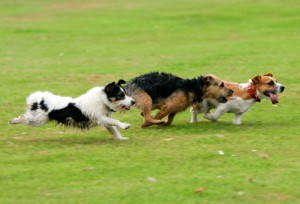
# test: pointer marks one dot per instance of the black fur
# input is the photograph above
(34, 106)
(115, 91)
(40, 105)
(70, 116)
(162, 85)
(43, 106)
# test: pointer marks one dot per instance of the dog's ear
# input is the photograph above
(222, 84)
(207, 80)
(110, 87)
(121, 81)
(256, 79)
(269, 74)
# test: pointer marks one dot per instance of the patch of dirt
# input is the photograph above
(99, 80)
(31, 18)
(277, 196)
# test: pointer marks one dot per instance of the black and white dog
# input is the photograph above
(93, 108)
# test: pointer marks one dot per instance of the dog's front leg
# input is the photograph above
(218, 112)
(237, 120)
(110, 124)
(113, 130)
(194, 114)
(195, 110)
(106, 121)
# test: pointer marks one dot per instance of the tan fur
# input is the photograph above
(216, 91)
(237, 91)
(241, 100)
(259, 83)
(177, 102)
(144, 102)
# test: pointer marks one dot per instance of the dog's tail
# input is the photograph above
(37, 110)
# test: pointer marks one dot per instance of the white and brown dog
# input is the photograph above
(90, 109)
(244, 96)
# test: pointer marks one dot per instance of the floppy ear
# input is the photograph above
(269, 74)
(222, 84)
(110, 87)
(121, 81)
(256, 79)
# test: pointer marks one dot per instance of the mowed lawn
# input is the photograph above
(69, 46)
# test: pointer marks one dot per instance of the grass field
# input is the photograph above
(67, 47)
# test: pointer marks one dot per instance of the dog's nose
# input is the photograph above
(282, 88)
(132, 102)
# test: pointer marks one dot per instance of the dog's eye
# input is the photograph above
(121, 95)
(271, 83)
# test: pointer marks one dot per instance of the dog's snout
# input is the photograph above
(132, 102)
(222, 99)
(282, 88)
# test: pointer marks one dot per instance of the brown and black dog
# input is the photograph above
(171, 94)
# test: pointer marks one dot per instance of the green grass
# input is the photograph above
(67, 47)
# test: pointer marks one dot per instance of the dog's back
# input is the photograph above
(46, 101)
(156, 85)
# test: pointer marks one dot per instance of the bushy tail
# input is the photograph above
(37, 110)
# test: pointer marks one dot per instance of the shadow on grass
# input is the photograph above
(70, 140)
(103, 138)
(219, 125)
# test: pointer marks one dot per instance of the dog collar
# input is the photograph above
(110, 109)
(253, 93)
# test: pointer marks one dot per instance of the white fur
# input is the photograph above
(94, 104)
(237, 105)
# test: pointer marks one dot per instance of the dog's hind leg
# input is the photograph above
(148, 120)
(144, 102)
(17, 120)
(37, 119)
(170, 119)
(113, 130)
(164, 112)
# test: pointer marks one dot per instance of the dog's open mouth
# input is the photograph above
(222, 99)
(125, 107)
(273, 97)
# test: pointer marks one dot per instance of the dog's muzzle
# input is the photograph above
(222, 99)
(125, 107)
(281, 89)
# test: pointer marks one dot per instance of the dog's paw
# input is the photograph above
(14, 121)
(193, 121)
(144, 125)
(209, 117)
(237, 122)
(124, 126)
(122, 138)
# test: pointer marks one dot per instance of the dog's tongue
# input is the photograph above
(273, 98)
